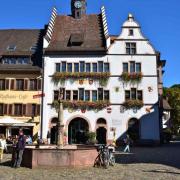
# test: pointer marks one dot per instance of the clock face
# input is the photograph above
(78, 4)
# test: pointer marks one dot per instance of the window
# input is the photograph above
(130, 48)
(56, 95)
(100, 94)
(94, 67)
(125, 67)
(127, 95)
(133, 93)
(88, 67)
(81, 94)
(18, 109)
(2, 84)
(138, 67)
(63, 66)
(11, 47)
(100, 66)
(33, 110)
(58, 67)
(1, 110)
(87, 95)
(22, 61)
(20, 84)
(94, 95)
(68, 95)
(131, 32)
(76, 67)
(132, 67)
(75, 95)
(106, 95)
(69, 67)
(82, 66)
(139, 95)
(33, 48)
(106, 67)
(33, 84)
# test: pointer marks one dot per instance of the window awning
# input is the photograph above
(8, 121)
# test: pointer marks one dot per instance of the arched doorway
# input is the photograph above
(101, 131)
(133, 129)
(54, 131)
(77, 130)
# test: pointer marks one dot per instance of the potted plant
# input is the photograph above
(91, 138)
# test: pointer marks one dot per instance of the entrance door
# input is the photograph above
(101, 135)
(133, 129)
(77, 131)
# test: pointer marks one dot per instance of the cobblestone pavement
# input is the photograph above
(143, 163)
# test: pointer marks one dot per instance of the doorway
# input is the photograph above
(133, 129)
(101, 135)
(77, 131)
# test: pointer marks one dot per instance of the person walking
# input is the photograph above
(20, 146)
(127, 142)
(3, 146)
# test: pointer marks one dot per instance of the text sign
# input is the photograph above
(38, 96)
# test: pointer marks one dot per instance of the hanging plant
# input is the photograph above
(83, 105)
(131, 104)
(132, 77)
(61, 77)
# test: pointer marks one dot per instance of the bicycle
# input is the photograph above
(105, 156)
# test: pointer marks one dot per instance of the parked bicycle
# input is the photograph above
(105, 156)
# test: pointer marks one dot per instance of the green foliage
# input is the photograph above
(61, 77)
(83, 105)
(130, 104)
(173, 95)
(131, 77)
(91, 137)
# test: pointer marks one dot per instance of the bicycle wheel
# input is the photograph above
(112, 160)
(105, 160)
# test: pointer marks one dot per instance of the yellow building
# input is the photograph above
(20, 82)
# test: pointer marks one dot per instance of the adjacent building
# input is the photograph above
(109, 83)
(20, 81)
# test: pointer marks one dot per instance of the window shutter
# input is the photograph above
(39, 84)
(24, 109)
(38, 109)
(25, 84)
(10, 109)
(12, 84)
(7, 84)
(5, 109)
(29, 110)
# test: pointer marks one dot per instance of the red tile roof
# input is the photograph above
(89, 26)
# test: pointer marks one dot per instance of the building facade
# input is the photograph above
(110, 83)
(20, 81)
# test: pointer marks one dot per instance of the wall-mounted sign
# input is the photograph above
(150, 89)
(13, 97)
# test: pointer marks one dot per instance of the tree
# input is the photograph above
(173, 95)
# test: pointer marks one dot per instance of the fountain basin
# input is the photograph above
(69, 156)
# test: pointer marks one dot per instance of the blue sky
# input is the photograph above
(159, 19)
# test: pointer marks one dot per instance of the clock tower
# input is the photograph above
(78, 8)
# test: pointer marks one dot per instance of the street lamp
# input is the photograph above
(60, 124)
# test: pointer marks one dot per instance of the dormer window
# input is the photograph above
(131, 32)
(11, 48)
(33, 48)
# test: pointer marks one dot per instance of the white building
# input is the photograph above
(79, 46)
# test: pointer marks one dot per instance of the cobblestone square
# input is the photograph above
(143, 163)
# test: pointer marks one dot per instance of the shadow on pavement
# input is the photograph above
(163, 171)
(166, 155)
